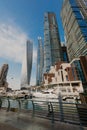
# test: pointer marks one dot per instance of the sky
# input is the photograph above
(21, 20)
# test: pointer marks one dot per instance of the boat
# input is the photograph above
(47, 94)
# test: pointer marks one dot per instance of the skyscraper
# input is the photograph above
(40, 60)
(3, 76)
(27, 65)
(75, 27)
(52, 46)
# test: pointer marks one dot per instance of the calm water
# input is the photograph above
(25, 104)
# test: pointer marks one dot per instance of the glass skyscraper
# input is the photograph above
(40, 60)
(75, 27)
(52, 46)
(27, 65)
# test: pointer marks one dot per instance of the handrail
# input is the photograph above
(74, 113)
(33, 109)
(19, 103)
(8, 108)
(52, 112)
(0, 103)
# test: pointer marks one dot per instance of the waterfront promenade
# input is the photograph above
(23, 121)
(32, 114)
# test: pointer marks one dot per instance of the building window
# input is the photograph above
(85, 2)
(66, 78)
(69, 90)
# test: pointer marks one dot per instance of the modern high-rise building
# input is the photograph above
(27, 64)
(75, 27)
(40, 62)
(3, 76)
(52, 45)
(80, 66)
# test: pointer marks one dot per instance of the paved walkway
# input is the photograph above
(22, 121)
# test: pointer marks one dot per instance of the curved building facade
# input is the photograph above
(27, 64)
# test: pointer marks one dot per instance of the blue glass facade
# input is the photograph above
(47, 47)
(75, 27)
(52, 46)
(40, 65)
(79, 71)
(79, 17)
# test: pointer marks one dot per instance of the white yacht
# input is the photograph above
(47, 94)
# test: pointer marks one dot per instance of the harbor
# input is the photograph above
(43, 65)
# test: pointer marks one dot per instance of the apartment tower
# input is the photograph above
(52, 45)
(40, 60)
(75, 26)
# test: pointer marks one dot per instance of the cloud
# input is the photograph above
(34, 56)
(12, 46)
(14, 83)
(12, 42)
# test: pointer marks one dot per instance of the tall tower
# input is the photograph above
(40, 60)
(52, 46)
(27, 64)
(75, 27)
(3, 76)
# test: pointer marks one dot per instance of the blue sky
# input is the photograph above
(21, 20)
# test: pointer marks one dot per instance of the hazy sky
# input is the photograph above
(21, 20)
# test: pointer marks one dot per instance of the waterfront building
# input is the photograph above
(27, 64)
(61, 78)
(75, 27)
(64, 53)
(80, 66)
(52, 46)
(40, 63)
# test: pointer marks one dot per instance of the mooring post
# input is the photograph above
(33, 108)
(0, 103)
(8, 109)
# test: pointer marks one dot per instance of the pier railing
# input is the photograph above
(73, 113)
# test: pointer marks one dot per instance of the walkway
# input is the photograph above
(22, 121)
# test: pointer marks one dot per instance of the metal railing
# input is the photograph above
(72, 113)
